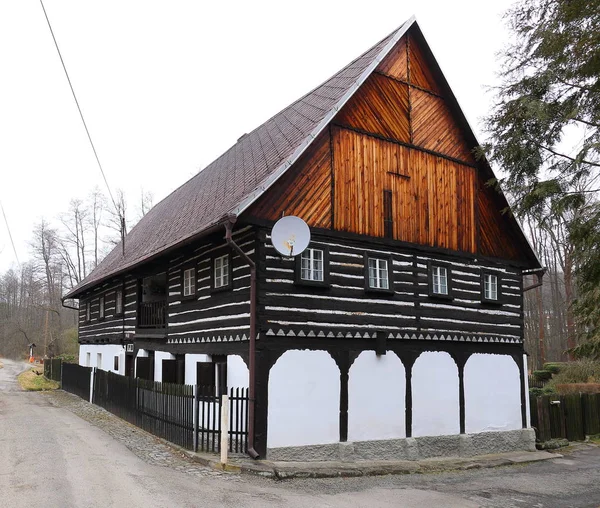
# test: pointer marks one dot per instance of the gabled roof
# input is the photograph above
(237, 178)
(231, 183)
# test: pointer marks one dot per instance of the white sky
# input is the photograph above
(166, 87)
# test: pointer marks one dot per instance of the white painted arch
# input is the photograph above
(376, 397)
(435, 395)
(304, 400)
(492, 393)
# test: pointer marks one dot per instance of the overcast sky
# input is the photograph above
(167, 86)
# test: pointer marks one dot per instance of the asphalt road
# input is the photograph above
(52, 458)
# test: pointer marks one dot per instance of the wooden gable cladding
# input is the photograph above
(498, 237)
(380, 106)
(395, 64)
(435, 129)
(432, 197)
(304, 190)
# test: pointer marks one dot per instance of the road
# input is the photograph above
(51, 457)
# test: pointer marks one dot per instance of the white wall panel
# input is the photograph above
(108, 352)
(304, 400)
(190, 366)
(435, 395)
(492, 393)
(237, 372)
(159, 356)
(376, 393)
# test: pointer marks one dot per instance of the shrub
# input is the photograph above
(581, 371)
(542, 375)
(554, 367)
(536, 392)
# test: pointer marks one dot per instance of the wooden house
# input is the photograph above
(403, 318)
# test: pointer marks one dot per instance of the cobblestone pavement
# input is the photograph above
(147, 447)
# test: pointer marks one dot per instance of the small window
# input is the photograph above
(221, 271)
(388, 214)
(379, 274)
(189, 282)
(101, 307)
(490, 287)
(312, 267)
(99, 360)
(118, 302)
(88, 359)
(116, 365)
(88, 311)
(439, 280)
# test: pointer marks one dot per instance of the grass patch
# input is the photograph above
(595, 439)
(31, 381)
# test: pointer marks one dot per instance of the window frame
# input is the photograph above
(119, 312)
(102, 308)
(229, 285)
(440, 264)
(484, 299)
(390, 274)
(88, 311)
(298, 268)
(194, 279)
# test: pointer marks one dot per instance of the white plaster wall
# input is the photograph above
(435, 409)
(376, 393)
(527, 401)
(190, 367)
(108, 351)
(492, 393)
(237, 372)
(159, 356)
(304, 400)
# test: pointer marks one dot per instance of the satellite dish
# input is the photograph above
(290, 236)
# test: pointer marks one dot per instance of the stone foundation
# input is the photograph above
(412, 448)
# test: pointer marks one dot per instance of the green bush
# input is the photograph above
(67, 358)
(581, 371)
(553, 367)
(536, 392)
(542, 375)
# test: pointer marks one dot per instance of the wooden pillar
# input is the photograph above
(343, 361)
(264, 361)
(518, 358)
(461, 359)
(408, 361)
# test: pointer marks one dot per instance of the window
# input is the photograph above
(118, 302)
(388, 216)
(101, 307)
(88, 311)
(116, 364)
(88, 359)
(189, 282)
(378, 273)
(490, 287)
(221, 271)
(439, 280)
(311, 265)
(99, 360)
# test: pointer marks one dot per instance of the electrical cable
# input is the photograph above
(10, 234)
(81, 113)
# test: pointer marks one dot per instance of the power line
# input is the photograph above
(10, 234)
(80, 112)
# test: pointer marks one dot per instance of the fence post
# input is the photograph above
(224, 427)
(92, 384)
(195, 418)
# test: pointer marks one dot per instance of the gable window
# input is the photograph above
(88, 311)
(221, 277)
(378, 272)
(311, 265)
(118, 302)
(101, 307)
(439, 280)
(189, 282)
(490, 287)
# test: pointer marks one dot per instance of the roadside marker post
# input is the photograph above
(224, 428)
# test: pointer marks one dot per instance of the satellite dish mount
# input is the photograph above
(290, 236)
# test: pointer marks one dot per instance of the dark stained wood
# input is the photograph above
(396, 62)
(420, 71)
(304, 191)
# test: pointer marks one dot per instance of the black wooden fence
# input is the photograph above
(52, 368)
(571, 417)
(76, 379)
(164, 409)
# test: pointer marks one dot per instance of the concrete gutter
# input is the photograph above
(286, 470)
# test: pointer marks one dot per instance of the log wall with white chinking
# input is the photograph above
(211, 315)
(111, 329)
(346, 309)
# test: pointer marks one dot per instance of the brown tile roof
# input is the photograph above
(238, 177)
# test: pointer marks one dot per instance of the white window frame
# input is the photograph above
(101, 307)
(221, 271)
(309, 265)
(118, 302)
(440, 280)
(490, 287)
(189, 282)
(379, 273)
